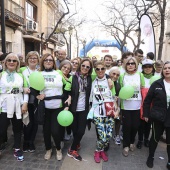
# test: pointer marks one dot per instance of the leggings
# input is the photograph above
(157, 130)
(104, 127)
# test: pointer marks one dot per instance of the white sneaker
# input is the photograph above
(117, 140)
(59, 155)
(48, 154)
(132, 147)
(125, 151)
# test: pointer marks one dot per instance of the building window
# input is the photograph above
(31, 11)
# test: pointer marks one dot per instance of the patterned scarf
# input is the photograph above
(82, 79)
(10, 76)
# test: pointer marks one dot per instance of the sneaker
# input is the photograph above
(149, 162)
(125, 151)
(25, 147)
(48, 154)
(59, 155)
(31, 147)
(132, 147)
(139, 145)
(74, 154)
(146, 143)
(168, 166)
(104, 156)
(97, 156)
(18, 154)
(78, 146)
(117, 140)
(67, 137)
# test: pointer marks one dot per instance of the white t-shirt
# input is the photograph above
(53, 87)
(122, 70)
(157, 74)
(134, 103)
(81, 102)
(147, 82)
(167, 89)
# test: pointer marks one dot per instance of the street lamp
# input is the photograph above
(70, 29)
(84, 44)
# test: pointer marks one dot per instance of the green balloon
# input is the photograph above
(36, 80)
(126, 92)
(65, 118)
(154, 78)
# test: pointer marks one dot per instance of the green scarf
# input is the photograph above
(148, 76)
(10, 76)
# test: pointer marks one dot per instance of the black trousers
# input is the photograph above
(131, 121)
(78, 127)
(144, 130)
(30, 130)
(157, 131)
(17, 127)
(52, 128)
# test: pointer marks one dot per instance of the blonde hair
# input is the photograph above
(131, 58)
(31, 53)
(12, 55)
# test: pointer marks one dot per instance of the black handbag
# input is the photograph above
(158, 113)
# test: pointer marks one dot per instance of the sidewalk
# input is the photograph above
(35, 161)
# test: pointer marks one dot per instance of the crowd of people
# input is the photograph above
(85, 87)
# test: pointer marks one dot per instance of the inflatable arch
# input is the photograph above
(100, 43)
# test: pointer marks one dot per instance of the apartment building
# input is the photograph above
(29, 23)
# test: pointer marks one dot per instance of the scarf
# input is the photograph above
(148, 76)
(82, 79)
(10, 76)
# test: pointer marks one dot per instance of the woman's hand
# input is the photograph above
(24, 108)
(110, 82)
(68, 101)
(41, 97)
(27, 90)
(146, 119)
(66, 108)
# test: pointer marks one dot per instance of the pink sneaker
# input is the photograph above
(97, 156)
(104, 156)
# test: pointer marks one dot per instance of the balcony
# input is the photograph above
(14, 14)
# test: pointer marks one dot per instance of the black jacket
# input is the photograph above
(157, 96)
(75, 93)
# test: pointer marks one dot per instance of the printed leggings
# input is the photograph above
(104, 128)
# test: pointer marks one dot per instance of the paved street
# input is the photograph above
(35, 161)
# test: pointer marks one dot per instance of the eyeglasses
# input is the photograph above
(147, 66)
(88, 67)
(100, 69)
(74, 63)
(66, 67)
(61, 54)
(32, 58)
(116, 74)
(48, 60)
(128, 64)
(13, 61)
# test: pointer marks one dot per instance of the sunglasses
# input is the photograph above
(147, 66)
(13, 61)
(100, 69)
(74, 63)
(84, 66)
(128, 64)
(48, 60)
